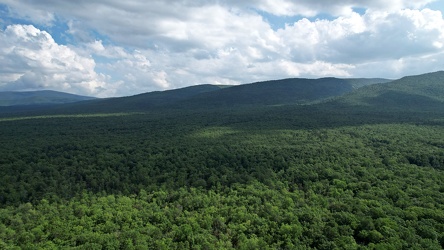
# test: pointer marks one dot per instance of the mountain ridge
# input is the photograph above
(419, 92)
(39, 97)
(413, 92)
(281, 92)
(272, 92)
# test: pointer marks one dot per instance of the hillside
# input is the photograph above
(420, 92)
(280, 92)
(346, 173)
(43, 97)
(276, 92)
(145, 101)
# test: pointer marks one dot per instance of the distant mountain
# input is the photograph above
(44, 97)
(145, 101)
(276, 92)
(412, 93)
(280, 92)
(420, 92)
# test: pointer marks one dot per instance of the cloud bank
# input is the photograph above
(116, 48)
(31, 59)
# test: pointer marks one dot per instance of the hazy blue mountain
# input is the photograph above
(43, 97)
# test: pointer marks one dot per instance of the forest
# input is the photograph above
(339, 174)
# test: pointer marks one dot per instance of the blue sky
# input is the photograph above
(117, 48)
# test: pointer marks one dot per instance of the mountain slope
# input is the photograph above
(276, 92)
(280, 92)
(412, 93)
(12, 98)
(420, 92)
(142, 102)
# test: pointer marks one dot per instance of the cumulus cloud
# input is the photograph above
(116, 10)
(368, 37)
(337, 8)
(167, 23)
(145, 46)
(32, 60)
(129, 71)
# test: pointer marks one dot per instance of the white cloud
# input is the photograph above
(317, 68)
(32, 60)
(168, 23)
(314, 7)
(145, 46)
(37, 15)
(336, 8)
(372, 36)
(130, 71)
(395, 68)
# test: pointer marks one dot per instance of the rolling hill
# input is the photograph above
(143, 102)
(280, 92)
(276, 92)
(43, 97)
(289, 164)
(420, 92)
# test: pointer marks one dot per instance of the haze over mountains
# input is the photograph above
(44, 97)
(422, 91)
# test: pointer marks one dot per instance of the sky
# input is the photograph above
(108, 48)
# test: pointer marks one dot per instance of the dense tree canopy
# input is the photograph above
(364, 171)
(241, 179)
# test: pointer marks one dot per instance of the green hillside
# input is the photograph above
(142, 102)
(279, 92)
(44, 97)
(412, 92)
(347, 173)
(276, 92)
(150, 100)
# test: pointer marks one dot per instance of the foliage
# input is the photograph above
(182, 181)
(325, 176)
